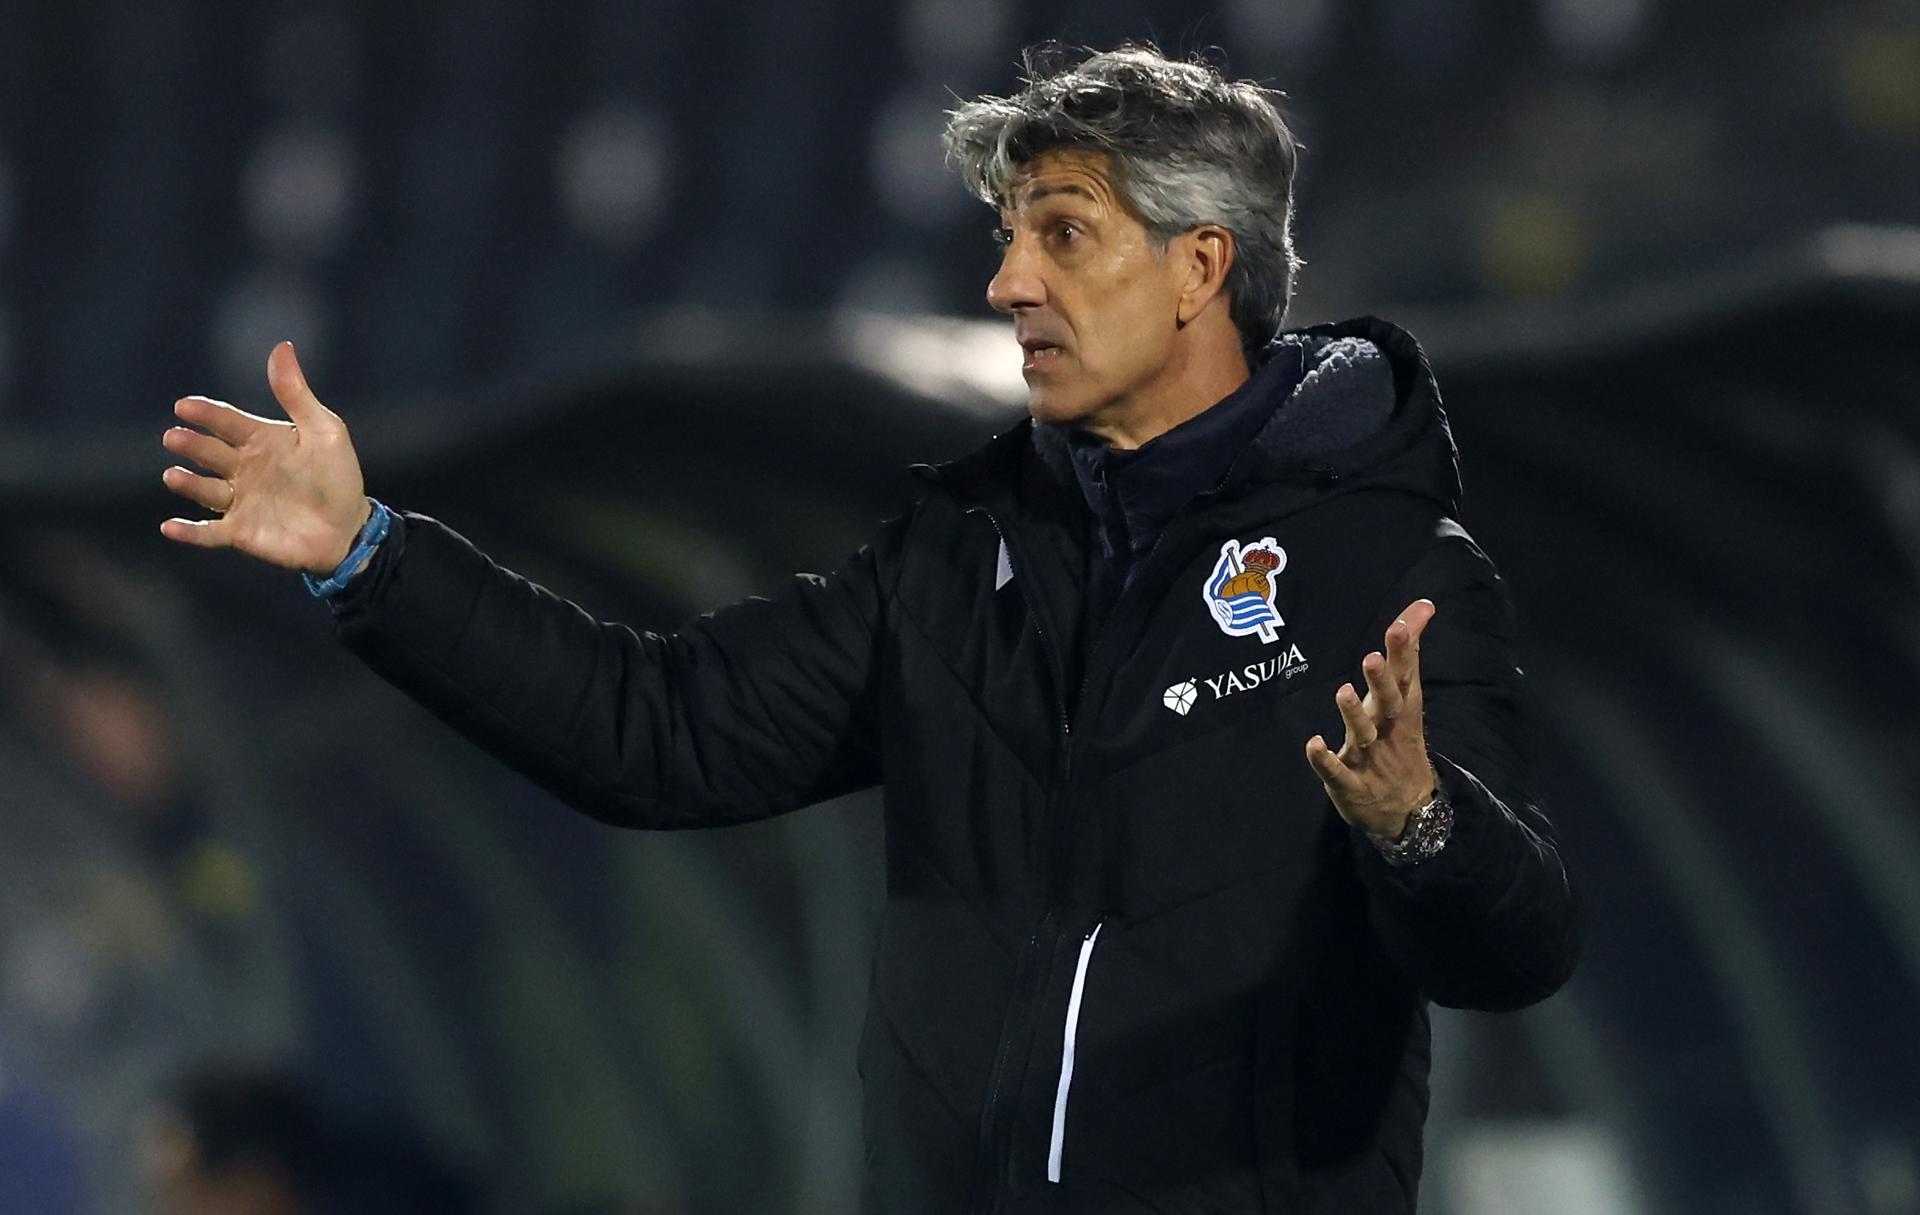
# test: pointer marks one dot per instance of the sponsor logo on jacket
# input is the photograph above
(1284, 665)
(1239, 591)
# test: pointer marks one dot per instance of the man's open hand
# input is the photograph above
(1381, 773)
(288, 493)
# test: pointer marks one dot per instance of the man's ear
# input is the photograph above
(1209, 255)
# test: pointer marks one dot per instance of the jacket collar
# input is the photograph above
(1314, 443)
(1134, 493)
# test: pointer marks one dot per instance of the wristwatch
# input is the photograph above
(1424, 835)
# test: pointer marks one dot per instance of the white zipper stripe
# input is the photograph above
(1066, 1057)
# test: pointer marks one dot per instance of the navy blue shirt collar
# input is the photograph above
(1133, 494)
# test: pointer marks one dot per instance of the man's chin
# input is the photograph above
(1054, 408)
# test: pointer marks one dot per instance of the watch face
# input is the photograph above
(1426, 832)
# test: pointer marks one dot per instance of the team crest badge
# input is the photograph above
(1239, 592)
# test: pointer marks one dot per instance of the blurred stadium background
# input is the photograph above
(656, 302)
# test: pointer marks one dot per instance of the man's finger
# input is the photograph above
(203, 449)
(289, 385)
(202, 533)
(1360, 727)
(1329, 768)
(210, 492)
(221, 418)
(1403, 643)
(1384, 699)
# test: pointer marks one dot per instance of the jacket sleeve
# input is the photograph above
(1489, 922)
(746, 712)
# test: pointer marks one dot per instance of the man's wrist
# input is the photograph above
(1399, 829)
(359, 554)
(1422, 836)
(372, 508)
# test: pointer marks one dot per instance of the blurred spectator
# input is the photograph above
(237, 1140)
(129, 933)
(233, 1143)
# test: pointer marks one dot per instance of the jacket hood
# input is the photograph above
(1365, 414)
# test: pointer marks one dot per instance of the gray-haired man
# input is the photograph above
(1150, 944)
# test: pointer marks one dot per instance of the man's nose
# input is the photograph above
(1017, 284)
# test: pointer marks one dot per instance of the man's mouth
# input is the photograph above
(1038, 354)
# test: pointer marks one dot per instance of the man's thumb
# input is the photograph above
(289, 386)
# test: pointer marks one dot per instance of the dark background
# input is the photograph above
(656, 301)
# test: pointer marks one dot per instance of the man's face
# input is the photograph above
(1093, 301)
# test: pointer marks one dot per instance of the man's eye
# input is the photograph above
(1070, 232)
(1002, 237)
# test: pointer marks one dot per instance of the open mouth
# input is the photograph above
(1039, 354)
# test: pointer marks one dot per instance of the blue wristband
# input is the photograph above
(371, 534)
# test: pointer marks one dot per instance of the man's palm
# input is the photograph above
(288, 493)
(1382, 771)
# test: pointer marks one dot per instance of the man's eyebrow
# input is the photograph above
(1035, 193)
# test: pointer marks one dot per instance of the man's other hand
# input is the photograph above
(288, 493)
(1381, 773)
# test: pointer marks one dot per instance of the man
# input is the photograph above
(1151, 944)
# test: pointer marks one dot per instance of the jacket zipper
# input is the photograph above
(996, 1160)
(1093, 650)
(1317, 474)
(1048, 924)
(1066, 1056)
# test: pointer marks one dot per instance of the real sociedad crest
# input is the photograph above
(1239, 592)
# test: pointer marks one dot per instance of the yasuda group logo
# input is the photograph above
(1239, 596)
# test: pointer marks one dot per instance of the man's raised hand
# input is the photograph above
(1381, 773)
(289, 493)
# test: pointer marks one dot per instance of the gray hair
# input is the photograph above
(1185, 146)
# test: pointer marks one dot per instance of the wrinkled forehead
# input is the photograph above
(1070, 172)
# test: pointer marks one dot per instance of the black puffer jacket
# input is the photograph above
(1131, 960)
